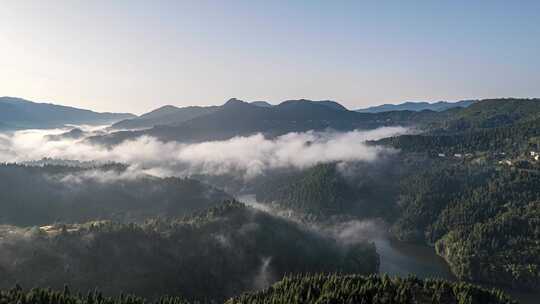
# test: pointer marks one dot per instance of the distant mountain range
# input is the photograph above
(328, 103)
(17, 113)
(233, 118)
(173, 116)
(239, 118)
(417, 106)
(257, 116)
(166, 115)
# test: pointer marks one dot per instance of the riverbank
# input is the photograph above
(398, 258)
(403, 259)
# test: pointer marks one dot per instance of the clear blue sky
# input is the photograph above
(137, 55)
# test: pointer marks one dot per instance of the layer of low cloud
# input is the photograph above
(248, 156)
(345, 231)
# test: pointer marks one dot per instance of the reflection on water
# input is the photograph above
(403, 259)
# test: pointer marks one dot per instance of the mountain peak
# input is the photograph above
(327, 103)
(262, 104)
(160, 111)
(168, 107)
(234, 101)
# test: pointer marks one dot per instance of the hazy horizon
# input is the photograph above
(219, 103)
(427, 189)
(136, 56)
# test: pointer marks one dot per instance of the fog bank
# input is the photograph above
(246, 156)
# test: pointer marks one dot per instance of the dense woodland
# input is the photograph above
(40, 195)
(483, 221)
(503, 250)
(212, 255)
(320, 190)
(372, 289)
(466, 184)
(318, 288)
(512, 139)
(477, 201)
(358, 189)
(490, 113)
(17, 295)
(499, 125)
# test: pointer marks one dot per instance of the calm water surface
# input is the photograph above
(403, 259)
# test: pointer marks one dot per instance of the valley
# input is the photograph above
(269, 152)
(297, 188)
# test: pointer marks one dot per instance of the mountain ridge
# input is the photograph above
(239, 118)
(172, 116)
(19, 113)
(417, 106)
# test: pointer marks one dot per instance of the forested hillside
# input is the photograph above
(327, 190)
(513, 139)
(477, 200)
(498, 125)
(492, 113)
(17, 295)
(320, 190)
(483, 221)
(269, 152)
(39, 195)
(340, 289)
(503, 250)
(465, 182)
(317, 288)
(18, 113)
(166, 115)
(215, 254)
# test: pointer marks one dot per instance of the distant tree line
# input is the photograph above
(297, 289)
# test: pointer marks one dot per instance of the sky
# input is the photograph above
(134, 56)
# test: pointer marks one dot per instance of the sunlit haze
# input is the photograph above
(268, 151)
(138, 55)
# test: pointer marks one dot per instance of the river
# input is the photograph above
(403, 259)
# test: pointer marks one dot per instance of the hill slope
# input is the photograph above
(417, 106)
(358, 289)
(17, 113)
(472, 191)
(171, 115)
(238, 118)
(323, 191)
(43, 194)
(300, 289)
(214, 255)
(494, 125)
(166, 115)
(493, 113)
